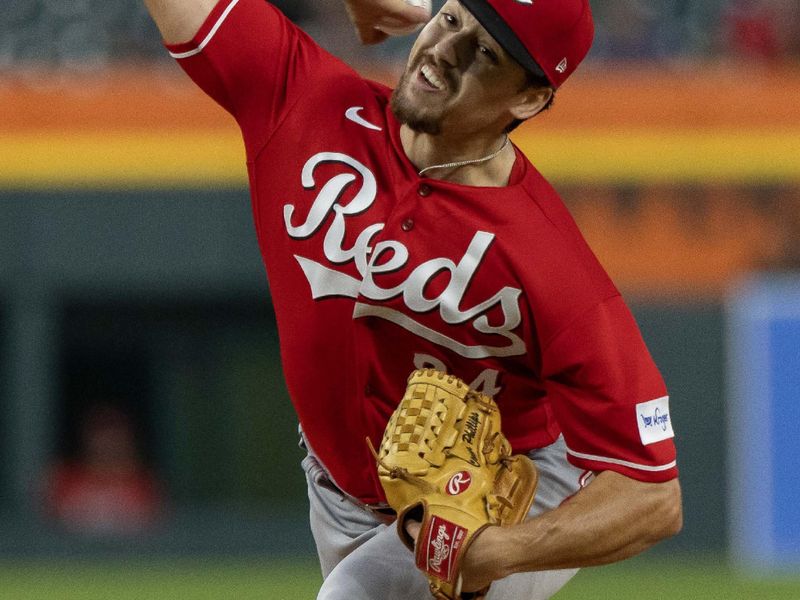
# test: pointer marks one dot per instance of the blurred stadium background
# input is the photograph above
(147, 444)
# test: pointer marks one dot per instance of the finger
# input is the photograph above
(379, 36)
(414, 15)
(394, 25)
(413, 528)
(369, 35)
(407, 13)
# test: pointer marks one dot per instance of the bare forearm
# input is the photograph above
(614, 518)
(179, 20)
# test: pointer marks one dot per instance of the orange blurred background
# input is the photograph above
(665, 169)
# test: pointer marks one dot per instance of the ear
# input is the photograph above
(530, 102)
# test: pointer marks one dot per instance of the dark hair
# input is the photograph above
(535, 81)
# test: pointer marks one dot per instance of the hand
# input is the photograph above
(480, 565)
(367, 15)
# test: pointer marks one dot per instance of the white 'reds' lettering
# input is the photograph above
(326, 281)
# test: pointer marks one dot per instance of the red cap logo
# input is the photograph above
(459, 483)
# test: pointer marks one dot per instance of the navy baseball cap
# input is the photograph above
(549, 38)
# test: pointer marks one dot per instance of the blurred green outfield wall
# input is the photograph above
(159, 298)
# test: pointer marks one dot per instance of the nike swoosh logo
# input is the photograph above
(352, 115)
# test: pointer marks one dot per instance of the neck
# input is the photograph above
(425, 150)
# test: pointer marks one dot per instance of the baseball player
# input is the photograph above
(401, 229)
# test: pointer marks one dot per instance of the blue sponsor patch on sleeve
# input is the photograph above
(654, 421)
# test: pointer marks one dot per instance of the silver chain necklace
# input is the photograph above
(462, 163)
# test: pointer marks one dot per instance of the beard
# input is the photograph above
(409, 113)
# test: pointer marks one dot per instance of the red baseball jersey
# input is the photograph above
(375, 271)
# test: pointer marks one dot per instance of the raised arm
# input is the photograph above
(179, 20)
(253, 61)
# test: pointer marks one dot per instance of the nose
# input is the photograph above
(446, 50)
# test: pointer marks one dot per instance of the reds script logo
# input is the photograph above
(459, 483)
(326, 281)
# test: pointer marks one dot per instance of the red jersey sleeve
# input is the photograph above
(255, 63)
(609, 397)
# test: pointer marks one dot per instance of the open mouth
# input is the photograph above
(429, 76)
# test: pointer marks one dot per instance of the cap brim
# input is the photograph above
(503, 34)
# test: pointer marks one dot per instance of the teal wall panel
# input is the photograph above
(178, 277)
(686, 342)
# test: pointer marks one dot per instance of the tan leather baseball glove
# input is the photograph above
(444, 462)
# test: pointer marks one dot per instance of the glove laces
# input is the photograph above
(401, 473)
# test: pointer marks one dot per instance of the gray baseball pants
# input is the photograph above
(362, 557)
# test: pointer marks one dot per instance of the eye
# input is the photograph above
(449, 19)
(487, 52)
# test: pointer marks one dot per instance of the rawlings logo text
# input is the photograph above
(439, 553)
(441, 549)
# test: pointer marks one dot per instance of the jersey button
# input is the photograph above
(407, 225)
(424, 190)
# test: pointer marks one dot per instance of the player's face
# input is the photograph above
(458, 78)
